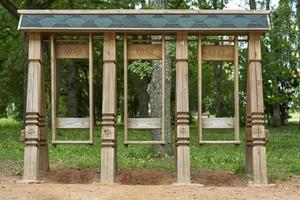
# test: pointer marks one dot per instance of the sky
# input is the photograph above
(243, 4)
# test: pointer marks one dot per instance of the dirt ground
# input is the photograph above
(83, 184)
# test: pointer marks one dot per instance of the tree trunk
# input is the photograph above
(154, 90)
(218, 79)
(252, 4)
(143, 97)
(72, 90)
(268, 4)
(276, 119)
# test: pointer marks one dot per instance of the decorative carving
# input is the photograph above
(218, 53)
(182, 130)
(145, 52)
(72, 51)
(75, 51)
(106, 132)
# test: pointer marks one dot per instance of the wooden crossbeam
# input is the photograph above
(68, 123)
(144, 123)
(220, 142)
(218, 123)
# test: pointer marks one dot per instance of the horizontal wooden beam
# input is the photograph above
(75, 51)
(218, 53)
(144, 142)
(144, 52)
(144, 123)
(72, 122)
(217, 123)
(72, 142)
(220, 142)
(143, 11)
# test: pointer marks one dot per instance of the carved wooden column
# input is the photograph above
(108, 151)
(182, 109)
(255, 129)
(36, 148)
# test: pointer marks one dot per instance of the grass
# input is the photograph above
(283, 151)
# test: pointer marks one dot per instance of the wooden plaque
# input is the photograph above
(218, 53)
(144, 52)
(78, 51)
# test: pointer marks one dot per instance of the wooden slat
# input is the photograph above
(236, 91)
(144, 123)
(91, 96)
(219, 142)
(72, 142)
(163, 136)
(75, 51)
(218, 122)
(200, 87)
(218, 53)
(143, 11)
(144, 142)
(72, 122)
(144, 52)
(125, 89)
(53, 88)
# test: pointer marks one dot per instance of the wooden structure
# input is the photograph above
(144, 52)
(71, 50)
(219, 53)
(48, 24)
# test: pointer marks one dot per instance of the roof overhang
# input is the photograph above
(144, 20)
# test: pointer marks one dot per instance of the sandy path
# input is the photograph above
(82, 186)
(138, 192)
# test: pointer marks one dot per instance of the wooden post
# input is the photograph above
(108, 151)
(200, 88)
(255, 129)
(182, 109)
(236, 91)
(36, 149)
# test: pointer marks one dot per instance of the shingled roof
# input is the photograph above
(155, 20)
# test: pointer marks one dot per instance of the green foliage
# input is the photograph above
(141, 68)
(281, 78)
(283, 152)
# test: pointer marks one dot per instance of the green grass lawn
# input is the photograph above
(283, 151)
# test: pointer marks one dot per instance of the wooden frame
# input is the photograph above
(71, 51)
(143, 52)
(35, 133)
(213, 53)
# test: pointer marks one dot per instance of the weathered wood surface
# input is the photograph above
(255, 129)
(144, 123)
(108, 150)
(72, 123)
(144, 52)
(218, 53)
(72, 142)
(74, 51)
(125, 68)
(182, 110)
(36, 148)
(220, 142)
(236, 91)
(224, 122)
(53, 87)
(91, 89)
(200, 88)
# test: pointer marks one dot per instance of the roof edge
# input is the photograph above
(141, 11)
